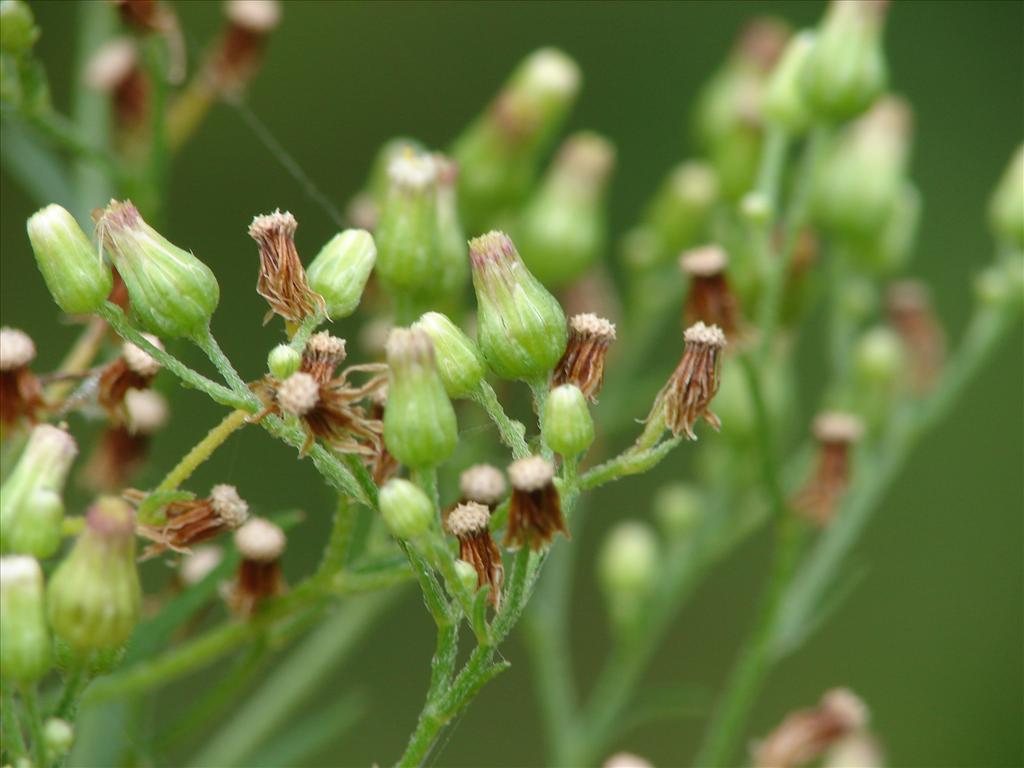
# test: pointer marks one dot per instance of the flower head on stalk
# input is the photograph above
(911, 314)
(469, 522)
(133, 369)
(192, 522)
(687, 395)
(483, 484)
(237, 55)
(535, 511)
(116, 71)
(836, 432)
(261, 544)
(583, 361)
(123, 447)
(282, 279)
(21, 395)
(326, 403)
(711, 298)
(807, 734)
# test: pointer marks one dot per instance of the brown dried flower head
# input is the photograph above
(383, 466)
(711, 298)
(282, 279)
(686, 396)
(535, 509)
(193, 522)
(238, 53)
(911, 314)
(261, 544)
(115, 70)
(322, 355)
(836, 432)
(469, 523)
(484, 484)
(805, 735)
(133, 370)
(123, 448)
(21, 395)
(583, 361)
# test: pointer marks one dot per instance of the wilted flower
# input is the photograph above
(583, 361)
(21, 396)
(261, 544)
(484, 484)
(711, 298)
(194, 521)
(912, 316)
(282, 279)
(123, 447)
(535, 511)
(806, 734)
(133, 369)
(836, 433)
(687, 395)
(470, 524)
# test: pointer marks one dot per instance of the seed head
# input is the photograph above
(535, 509)
(298, 394)
(228, 505)
(687, 395)
(836, 432)
(584, 358)
(196, 566)
(138, 360)
(146, 410)
(322, 355)
(484, 484)
(469, 522)
(282, 279)
(260, 541)
(17, 349)
(261, 544)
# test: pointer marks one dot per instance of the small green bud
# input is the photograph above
(895, 242)
(25, 648)
(73, 269)
(756, 208)
(341, 269)
(467, 575)
(1006, 210)
(628, 569)
(567, 425)
(452, 253)
(283, 361)
(784, 99)
(406, 509)
(498, 154)
(846, 69)
(407, 231)
(521, 327)
(94, 597)
(1001, 285)
(419, 422)
(59, 736)
(861, 180)
(18, 30)
(678, 507)
(879, 357)
(458, 359)
(171, 292)
(31, 510)
(563, 229)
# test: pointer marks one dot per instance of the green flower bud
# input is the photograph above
(407, 231)
(676, 218)
(94, 596)
(171, 292)
(628, 569)
(467, 575)
(59, 736)
(563, 229)
(25, 648)
(1006, 211)
(407, 511)
(452, 254)
(73, 269)
(458, 359)
(879, 356)
(419, 422)
(283, 361)
(678, 507)
(18, 30)
(860, 182)
(784, 99)
(521, 327)
(1001, 285)
(846, 69)
(568, 428)
(341, 269)
(895, 242)
(498, 154)
(31, 510)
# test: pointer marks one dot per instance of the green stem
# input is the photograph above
(305, 330)
(218, 393)
(630, 462)
(13, 739)
(339, 543)
(206, 342)
(511, 432)
(30, 698)
(75, 683)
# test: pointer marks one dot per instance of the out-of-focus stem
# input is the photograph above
(512, 432)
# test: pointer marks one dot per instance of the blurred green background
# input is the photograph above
(932, 638)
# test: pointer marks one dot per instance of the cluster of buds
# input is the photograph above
(260, 544)
(191, 522)
(687, 395)
(326, 403)
(836, 433)
(21, 395)
(805, 735)
(31, 507)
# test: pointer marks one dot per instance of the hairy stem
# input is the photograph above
(13, 740)
(511, 432)
(30, 700)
